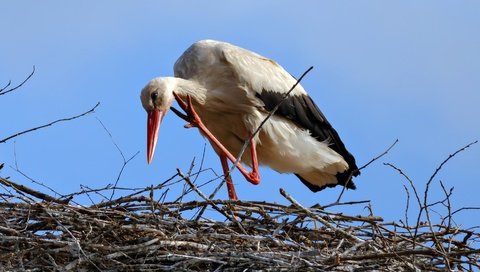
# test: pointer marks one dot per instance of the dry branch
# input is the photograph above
(4, 90)
(138, 232)
(49, 124)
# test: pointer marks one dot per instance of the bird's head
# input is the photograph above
(156, 99)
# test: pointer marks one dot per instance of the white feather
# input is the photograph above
(231, 76)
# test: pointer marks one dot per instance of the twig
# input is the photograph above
(17, 169)
(214, 206)
(379, 156)
(3, 91)
(345, 203)
(425, 201)
(49, 124)
(321, 220)
(410, 181)
(367, 164)
(465, 209)
(121, 172)
(138, 233)
(125, 161)
(270, 114)
(407, 207)
(449, 205)
(427, 252)
(25, 189)
(444, 162)
(77, 243)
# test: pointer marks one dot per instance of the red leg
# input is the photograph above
(255, 174)
(195, 121)
(231, 189)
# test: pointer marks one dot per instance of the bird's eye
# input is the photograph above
(154, 96)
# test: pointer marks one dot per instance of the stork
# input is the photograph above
(226, 92)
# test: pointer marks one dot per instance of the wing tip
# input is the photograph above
(343, 179)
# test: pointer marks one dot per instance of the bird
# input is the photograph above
(227, 92)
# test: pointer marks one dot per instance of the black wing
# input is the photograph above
(301, 110)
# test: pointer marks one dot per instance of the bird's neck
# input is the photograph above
(190, 88)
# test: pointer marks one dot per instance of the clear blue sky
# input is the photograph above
(383, 70)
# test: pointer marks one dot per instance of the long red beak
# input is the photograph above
(155, 116)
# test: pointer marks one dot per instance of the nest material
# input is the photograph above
(141, 233)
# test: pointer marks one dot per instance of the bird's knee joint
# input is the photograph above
(254, 178)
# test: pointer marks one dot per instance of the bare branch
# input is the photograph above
(20, 188)
(137, 232)
(447, 159)
(202, 195)
(379, 156)
(3, 91)
(407, 204)
(336, 203)
(125, 161)
(37, 182)
(323, 221)
(465, 209)
(49, 124)
(367, 164)
(269, 115)
(417, 196)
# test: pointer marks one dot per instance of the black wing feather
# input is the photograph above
(301, 110)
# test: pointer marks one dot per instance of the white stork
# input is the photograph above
(229, 92)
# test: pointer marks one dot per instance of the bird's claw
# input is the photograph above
(189, 125)
(253, 178)
(181, 103)
(192, 116)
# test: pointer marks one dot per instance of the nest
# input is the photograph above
(139, 232)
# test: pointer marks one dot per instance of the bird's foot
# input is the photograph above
(253, 177)
(192, 116)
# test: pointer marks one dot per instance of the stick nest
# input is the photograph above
(141, 233)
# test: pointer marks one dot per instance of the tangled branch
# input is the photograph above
(142, 232)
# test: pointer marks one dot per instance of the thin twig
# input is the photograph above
(449, 206)
(125, 161)
(49, 124)
(202, 195)
(24, 189)
(446, 160)
(367, 164)
(269, 115)
(379, 156)
(17, 169)
(3, 91)
(321, 220)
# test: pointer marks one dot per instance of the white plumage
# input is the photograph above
(233, 90)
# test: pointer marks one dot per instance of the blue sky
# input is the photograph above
(383, 70)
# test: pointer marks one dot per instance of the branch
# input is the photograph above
(24, 189)
(327, 224)
(425, 201)
(125, 161)
(440, 167)
(379, 156)
(49, 124)
(202, 195)
(272, 112)
(359, 169)
(2, 91)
